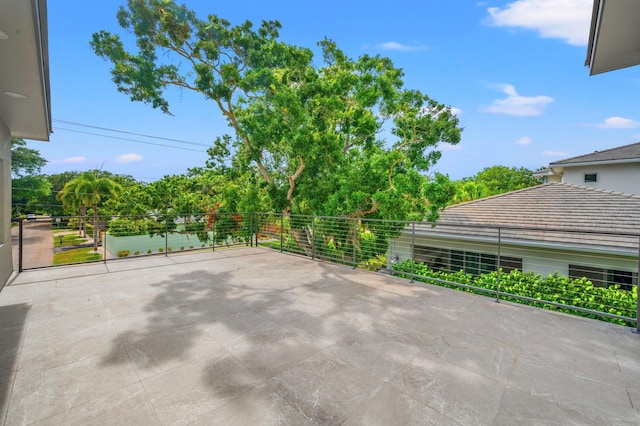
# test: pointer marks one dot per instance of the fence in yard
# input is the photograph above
(585, 272)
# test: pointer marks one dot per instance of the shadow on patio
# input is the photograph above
(252, 336)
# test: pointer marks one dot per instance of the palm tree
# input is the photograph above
(70, 200)
(89, 190)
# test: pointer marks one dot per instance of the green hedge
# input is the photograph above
(580, 292)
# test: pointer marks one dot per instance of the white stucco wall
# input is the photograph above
(6, 263)
(540, 260)
(621, 177)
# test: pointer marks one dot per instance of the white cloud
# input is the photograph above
(456, 111)
(555, 154)
(515, 104)
(617, 123)
(525, 140)
(78, 159)
(129, 158)
(392, 45)
(568, 20)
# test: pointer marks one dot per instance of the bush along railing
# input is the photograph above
(576, 296)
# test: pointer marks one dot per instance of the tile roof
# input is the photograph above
(626, 152)
(549, 214)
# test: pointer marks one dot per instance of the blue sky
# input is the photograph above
(513, 70)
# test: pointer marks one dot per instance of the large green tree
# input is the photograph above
(501, 179)
(88, 190)
(342, 138)
(28, 185)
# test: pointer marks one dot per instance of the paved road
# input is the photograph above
(37, 242)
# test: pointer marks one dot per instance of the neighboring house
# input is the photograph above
(24, 97)
(615, 169)
(573, 230)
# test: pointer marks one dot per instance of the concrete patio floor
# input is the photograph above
(252, 336)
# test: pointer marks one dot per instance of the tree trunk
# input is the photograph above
(95, 227)
(82, 221)
(302, 237)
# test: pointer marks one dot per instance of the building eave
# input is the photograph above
(614, 36)
(25, 95)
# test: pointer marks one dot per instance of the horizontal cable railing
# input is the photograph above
(587, 272)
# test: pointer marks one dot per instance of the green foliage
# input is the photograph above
(124, 227)
(123, 253)
(580, 293)
(501, 179)
(305, 132)
(375, 263)
(27, 184)
(25, 161)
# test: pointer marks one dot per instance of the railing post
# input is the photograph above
(499, 269)
(20, 241)
(250, 231)
(166, 236)
(281, 231)
(637, 287)
(104, 245)
(313, 237)
(413, 248)
(355, 236)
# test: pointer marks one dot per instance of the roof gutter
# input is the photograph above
(596, 15)
(39, 9)
(594, 163)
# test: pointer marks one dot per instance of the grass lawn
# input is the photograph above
(76, 256)
(68, 240)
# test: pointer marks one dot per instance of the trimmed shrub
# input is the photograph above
(562, 290)
(123, 253)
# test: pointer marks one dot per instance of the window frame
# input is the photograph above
(595, 178)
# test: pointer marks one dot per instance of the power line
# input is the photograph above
(131, 133)
(131, 140)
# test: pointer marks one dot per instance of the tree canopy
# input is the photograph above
(341, 138)
(501, 179)
(28, 185)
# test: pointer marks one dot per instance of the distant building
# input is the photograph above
(615, 169)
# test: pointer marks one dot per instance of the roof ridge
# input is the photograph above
(595, 152)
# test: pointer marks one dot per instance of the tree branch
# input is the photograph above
(292, 179)
(361, 213)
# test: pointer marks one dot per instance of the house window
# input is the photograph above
(470, 262)
(590, 177)
(435, 258)
(601, 277)
(509, 264)
(597, 276)
(623, 278)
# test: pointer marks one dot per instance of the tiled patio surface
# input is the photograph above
(252, 336)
